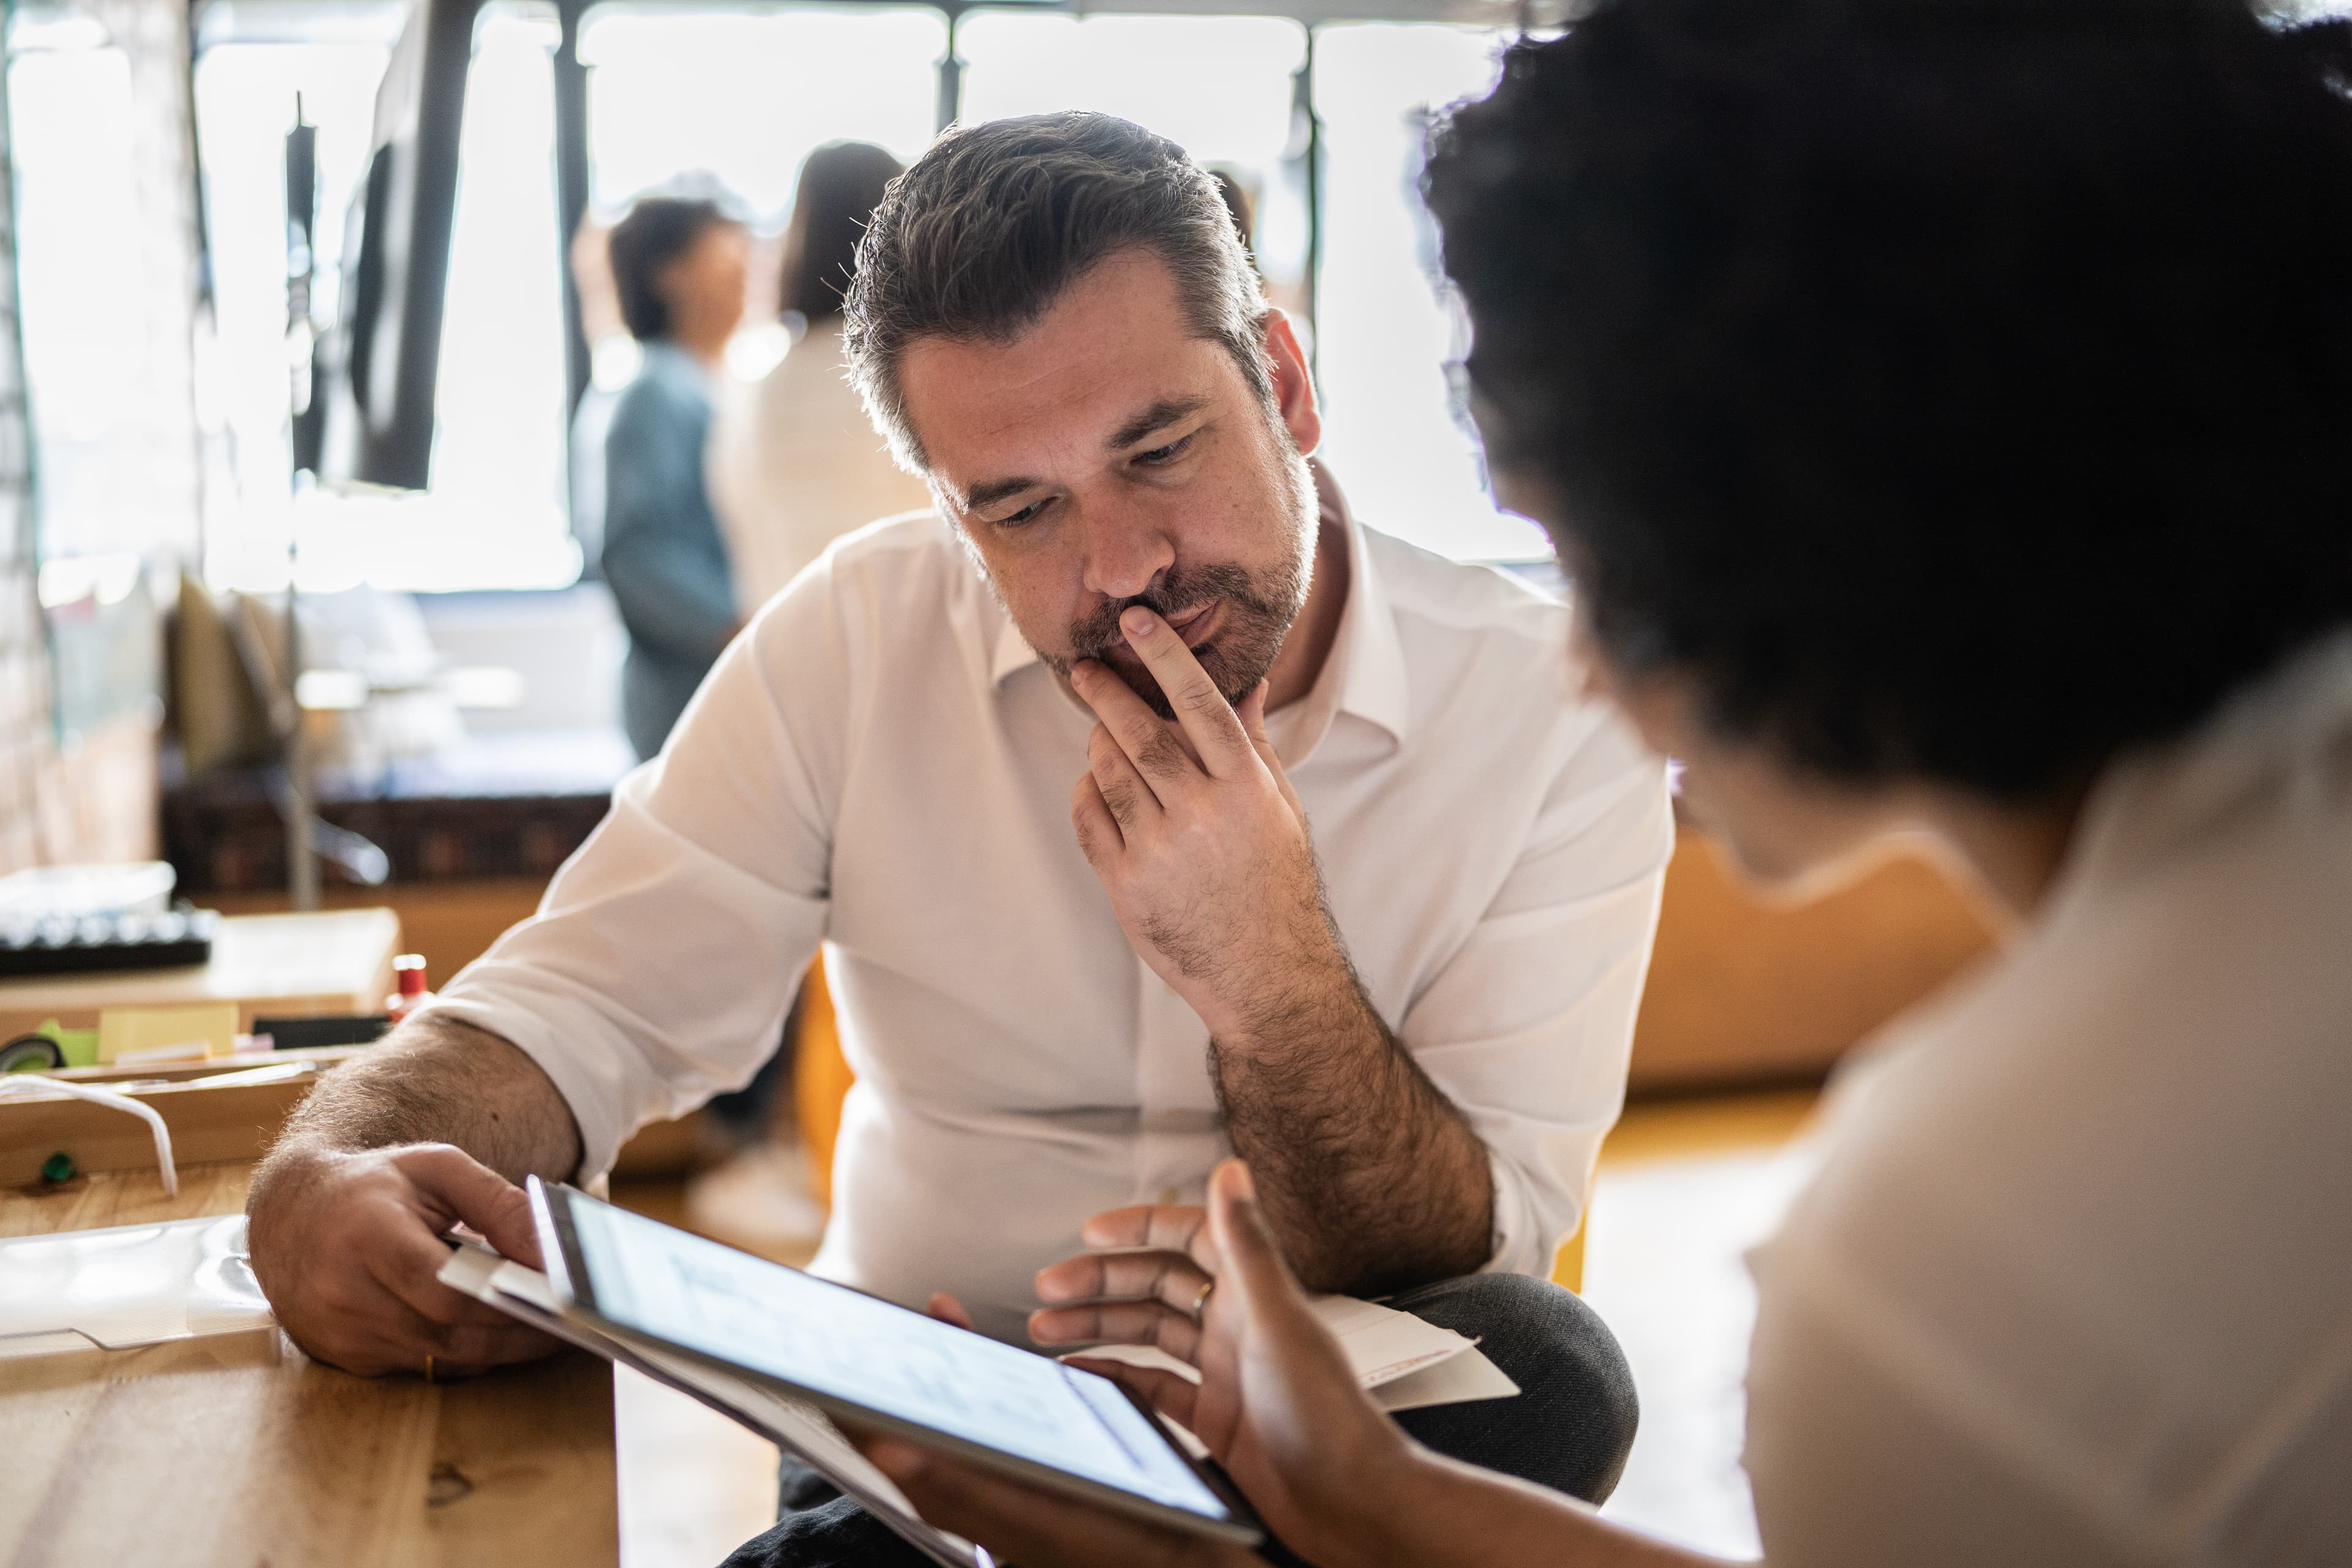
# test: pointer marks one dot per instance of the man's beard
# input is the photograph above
(1256, 613)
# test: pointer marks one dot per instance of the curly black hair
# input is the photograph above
(1956, 389)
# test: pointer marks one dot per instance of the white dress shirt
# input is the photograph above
(2073, 1284)
(881, 762)
(795, 463)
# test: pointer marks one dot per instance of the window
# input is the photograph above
(744, 96)
(1221, 86)
(738, 95)
(101, 478)
(1393, 435)
(494, 516)
(245, 94)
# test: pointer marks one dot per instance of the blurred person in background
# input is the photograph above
(1940, 409)
(678, 267)
(795, 463)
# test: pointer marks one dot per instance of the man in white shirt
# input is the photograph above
(1061, 998)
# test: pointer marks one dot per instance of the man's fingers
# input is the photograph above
(1161, 1227)
(948, 1309)
(1090, 819)
(406, 1264)
(1123, 789)
(1208, 720)
(1157, 752)
(1169, 1277)
(385, 1334)
(462, 1188)
(1252, 713)
(1118, 1322)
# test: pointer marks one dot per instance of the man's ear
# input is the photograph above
(1293, 388)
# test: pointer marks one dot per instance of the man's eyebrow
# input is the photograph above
(987, 492)
(1167, 411)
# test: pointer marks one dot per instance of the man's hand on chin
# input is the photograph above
(1201, 843)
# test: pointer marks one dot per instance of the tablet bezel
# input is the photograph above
(567, 1274)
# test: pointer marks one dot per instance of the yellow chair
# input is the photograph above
(1568, 1263)
(820, 1080)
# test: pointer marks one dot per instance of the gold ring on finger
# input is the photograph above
(1201, 1301)
(428, 1366)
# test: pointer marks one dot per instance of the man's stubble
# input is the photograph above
(1259, 607)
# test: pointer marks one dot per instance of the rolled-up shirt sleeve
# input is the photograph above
(1529, 1027)
(667, 950)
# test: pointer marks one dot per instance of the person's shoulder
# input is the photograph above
(1486, 652)
(1476, 600)
(918, 541)
(890, 596)
(909, 562)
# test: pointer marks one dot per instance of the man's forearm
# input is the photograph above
(1372, 1177)
(436, 1081)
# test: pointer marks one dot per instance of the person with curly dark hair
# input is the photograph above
(1941, 409)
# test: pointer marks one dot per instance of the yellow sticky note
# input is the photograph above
(208, 1029)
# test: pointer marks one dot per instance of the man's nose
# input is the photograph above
(1123, 556)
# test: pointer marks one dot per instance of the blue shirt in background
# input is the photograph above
(661, 556)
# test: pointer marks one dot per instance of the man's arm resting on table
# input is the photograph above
(431, 1127)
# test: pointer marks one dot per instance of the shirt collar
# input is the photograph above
(1364, 674)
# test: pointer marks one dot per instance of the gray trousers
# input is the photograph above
(1571, 1427)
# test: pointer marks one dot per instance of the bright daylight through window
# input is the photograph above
(734, 98)
(495, 514)
(90, 339)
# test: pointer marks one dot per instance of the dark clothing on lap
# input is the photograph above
(1570, 1428)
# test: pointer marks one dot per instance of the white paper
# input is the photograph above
(1404, 1363)
(1456, 1381)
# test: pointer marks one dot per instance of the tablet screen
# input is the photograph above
(662, 1282)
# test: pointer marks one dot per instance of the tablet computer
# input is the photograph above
(878, 1364)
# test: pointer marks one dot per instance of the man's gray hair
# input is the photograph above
(978, 240)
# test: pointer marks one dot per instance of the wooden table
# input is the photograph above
(336, 961)
(239, 1450)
